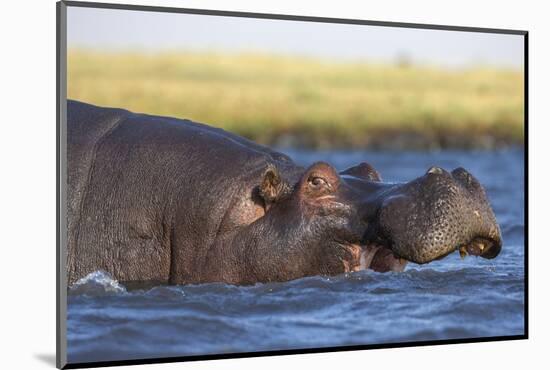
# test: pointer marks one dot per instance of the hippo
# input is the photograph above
(171, 201)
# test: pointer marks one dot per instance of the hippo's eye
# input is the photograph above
(318, 182)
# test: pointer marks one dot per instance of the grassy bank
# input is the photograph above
(304, 102)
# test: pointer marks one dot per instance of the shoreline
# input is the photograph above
(396, 141)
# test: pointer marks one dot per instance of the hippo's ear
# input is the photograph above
(272, 186)
(319, 180)
(363, 171)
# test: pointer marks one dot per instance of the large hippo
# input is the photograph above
(158, 199)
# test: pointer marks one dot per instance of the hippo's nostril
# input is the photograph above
(466, 178)
(459, 171)
(435, 170)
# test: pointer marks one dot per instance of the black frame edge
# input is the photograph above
(228, 13)
(61, 98)
(222, 356)
(526, 182)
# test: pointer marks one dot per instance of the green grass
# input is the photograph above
(271, 99)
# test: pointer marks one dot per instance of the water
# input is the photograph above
(446, 299)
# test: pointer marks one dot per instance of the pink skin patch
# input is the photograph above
(374, 257)
(384, 261)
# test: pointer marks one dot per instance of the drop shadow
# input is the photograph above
(47, 358)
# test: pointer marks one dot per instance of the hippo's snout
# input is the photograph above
(437, 214)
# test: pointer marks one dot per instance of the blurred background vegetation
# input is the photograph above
(306, 102)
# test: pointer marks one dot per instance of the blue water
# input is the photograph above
(446, 299)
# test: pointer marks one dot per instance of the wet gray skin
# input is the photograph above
(160, 199)
(430, 217)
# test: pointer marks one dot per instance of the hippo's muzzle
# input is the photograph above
(433, 216)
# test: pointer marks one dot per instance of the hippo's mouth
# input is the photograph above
(482, 247)
(379, 256)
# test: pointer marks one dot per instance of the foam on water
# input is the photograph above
(97, 283)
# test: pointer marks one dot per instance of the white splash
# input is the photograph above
(97, 283)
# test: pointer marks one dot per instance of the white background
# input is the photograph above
(27, 145)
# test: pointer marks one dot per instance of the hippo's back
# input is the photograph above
(87, 125)
(143, 188)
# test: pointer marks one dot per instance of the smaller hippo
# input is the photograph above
(159, 199)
